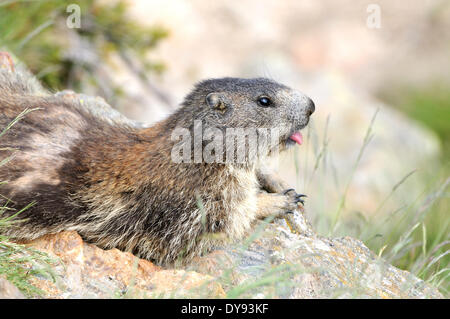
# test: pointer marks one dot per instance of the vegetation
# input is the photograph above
(413, 234)
(426, 250)
(19, 263)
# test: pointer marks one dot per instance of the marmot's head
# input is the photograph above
(258, 103)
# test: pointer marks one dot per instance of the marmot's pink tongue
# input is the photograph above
(297, 137)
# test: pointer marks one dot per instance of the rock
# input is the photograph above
(86, 271)
(280, 264)
(9, 291)
(275, 264)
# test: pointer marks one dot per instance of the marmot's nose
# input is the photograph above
(310, 107)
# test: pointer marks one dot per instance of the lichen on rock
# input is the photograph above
(307, 265)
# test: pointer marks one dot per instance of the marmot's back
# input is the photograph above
(45, 132)
(43, 128)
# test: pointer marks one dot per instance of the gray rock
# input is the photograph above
(9, 291)
(281, 264)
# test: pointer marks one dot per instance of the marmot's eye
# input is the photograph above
(264, 101)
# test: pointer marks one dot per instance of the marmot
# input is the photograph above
(93, 171)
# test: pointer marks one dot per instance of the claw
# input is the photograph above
(298, 198)
(288, 190)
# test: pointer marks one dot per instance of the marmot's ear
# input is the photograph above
(215, 101)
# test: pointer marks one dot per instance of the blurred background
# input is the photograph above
(375, 162)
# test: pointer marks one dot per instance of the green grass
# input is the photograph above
(19, 263)
(410, 232)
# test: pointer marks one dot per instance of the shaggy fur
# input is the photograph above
(89, 169)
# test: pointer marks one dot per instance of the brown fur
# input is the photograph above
(115, 183)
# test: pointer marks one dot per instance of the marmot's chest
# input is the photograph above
(241, 201)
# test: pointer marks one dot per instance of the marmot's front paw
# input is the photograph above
(294, 196)
(278, 204)
(291, 201)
